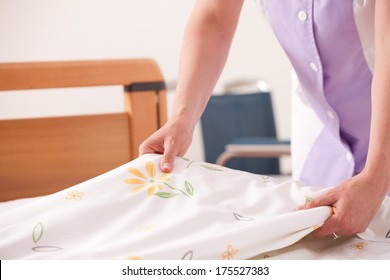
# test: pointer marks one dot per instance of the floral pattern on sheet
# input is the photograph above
(188, 256)
(209, 166)
(74, 195)
(134, 258)
(223, 219)
(212, 167)
(155, 184)
(149, 181)
(265, 178)
(359, 246)
(242, 218)
(315, 227)
(147, 228)
(46, 249)
(37, 234)
(229, 253)
(308, 199)
(189, 162)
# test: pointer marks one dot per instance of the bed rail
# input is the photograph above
(43, 155)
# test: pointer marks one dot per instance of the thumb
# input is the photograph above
(323, 200)
(166, 164)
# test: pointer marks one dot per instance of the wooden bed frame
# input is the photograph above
(43, 155)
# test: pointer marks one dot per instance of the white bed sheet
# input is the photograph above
(200, 211)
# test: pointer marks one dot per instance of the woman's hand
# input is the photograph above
(171, 140)
(206, 45)
(354, 202)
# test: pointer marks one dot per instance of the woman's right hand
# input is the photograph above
(206, 45)
(171, 140)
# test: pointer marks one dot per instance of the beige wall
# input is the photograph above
(43, 30)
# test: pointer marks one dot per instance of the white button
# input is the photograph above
(314, 67)
(302, 15)
(330, 114)
(349, 156)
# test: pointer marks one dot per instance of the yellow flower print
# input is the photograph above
(149, 182)
(315, 227)
(76, 195)
(134, 258)
(147, 228)
(229, 253)
(359, 246)
(154, 184)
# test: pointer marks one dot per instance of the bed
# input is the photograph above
(102, 201)
(81, 146)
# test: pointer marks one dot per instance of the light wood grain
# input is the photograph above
(38, 75)
(44, 155)
(40, 156)
(141, 106)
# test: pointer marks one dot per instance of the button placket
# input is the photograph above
(315, 65)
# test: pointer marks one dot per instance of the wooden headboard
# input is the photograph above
(43, 155)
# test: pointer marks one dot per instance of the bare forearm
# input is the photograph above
(205, 49)
(378, 161)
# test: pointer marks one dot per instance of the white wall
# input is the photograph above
(44, 30)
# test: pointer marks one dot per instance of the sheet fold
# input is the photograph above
(199, 211)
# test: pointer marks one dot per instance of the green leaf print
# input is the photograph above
(308, 199)
(189, 188)
(211, 167)
(37, 232)
(165, 194)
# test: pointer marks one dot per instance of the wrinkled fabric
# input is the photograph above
(199, 211)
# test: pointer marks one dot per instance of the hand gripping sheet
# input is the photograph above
(199, 211)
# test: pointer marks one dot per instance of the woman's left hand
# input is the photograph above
(355, 202)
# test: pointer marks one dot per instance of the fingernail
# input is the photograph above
(166, 167)
(300, 207)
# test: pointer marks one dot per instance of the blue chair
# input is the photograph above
(239, 132)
